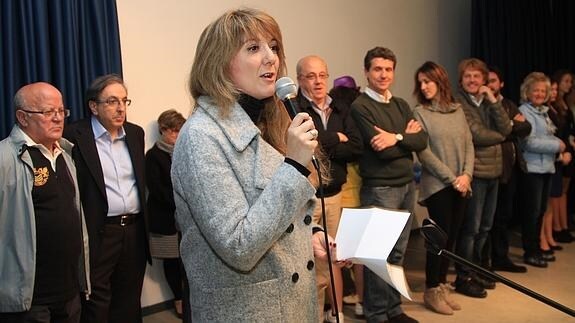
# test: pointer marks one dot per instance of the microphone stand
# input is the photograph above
(287, 92)
(327, 247)
(435, 239)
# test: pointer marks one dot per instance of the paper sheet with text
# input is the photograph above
(367, 236)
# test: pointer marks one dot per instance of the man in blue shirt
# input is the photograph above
(109, 154)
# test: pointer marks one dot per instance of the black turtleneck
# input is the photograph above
(252, 106)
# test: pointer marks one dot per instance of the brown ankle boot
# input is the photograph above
(433, 299)
(447, 290)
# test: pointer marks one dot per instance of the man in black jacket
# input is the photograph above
(109, 157)
(340, 141)
(512, 159)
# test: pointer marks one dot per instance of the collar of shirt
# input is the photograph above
(324, 111)
(326, 104)
(51, 156)
(100, 131)
(475, 100)
(385, 98)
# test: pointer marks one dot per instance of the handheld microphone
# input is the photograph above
(286, 90)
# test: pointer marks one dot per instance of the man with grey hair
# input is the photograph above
(43, 239)
(109, 154)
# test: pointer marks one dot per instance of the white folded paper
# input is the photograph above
(367, 236)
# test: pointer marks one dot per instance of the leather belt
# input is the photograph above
(123, 220)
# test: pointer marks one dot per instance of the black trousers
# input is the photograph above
(173, 273)
(502, 219)
(446, 208)
(61, 312)
(534, 192)
(117, 275)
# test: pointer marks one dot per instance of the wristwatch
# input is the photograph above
(398, 137)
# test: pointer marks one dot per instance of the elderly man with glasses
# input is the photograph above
(109, 155)
(43, 238)
(341, 142)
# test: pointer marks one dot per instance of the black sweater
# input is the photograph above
(391, 166)
(161, 206)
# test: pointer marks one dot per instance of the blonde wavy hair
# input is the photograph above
(473, 64)
(532, 78)
(211, 75)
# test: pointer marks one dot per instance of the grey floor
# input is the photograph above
(503, 304)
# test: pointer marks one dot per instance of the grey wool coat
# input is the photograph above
(245, 217)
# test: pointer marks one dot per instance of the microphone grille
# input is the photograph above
(285, 87)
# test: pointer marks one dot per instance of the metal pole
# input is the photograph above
(507, 282)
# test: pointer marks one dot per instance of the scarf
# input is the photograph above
(163, 146)
(542, 110)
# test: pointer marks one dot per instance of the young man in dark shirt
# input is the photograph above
(390, 136)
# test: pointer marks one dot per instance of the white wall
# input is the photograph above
(159, 38)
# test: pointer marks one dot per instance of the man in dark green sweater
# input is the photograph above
(390, 135)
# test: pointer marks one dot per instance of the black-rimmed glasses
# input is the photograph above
(115, 102)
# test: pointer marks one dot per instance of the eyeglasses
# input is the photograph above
(115, 102)
(51, 113)
(313, 76)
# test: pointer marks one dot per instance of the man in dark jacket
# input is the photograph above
(489, 126)
(109, 156)
(340, 141)
(512, 160)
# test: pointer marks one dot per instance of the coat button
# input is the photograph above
(290, 228)
(307, 219)
(295, 277)
(310, 265)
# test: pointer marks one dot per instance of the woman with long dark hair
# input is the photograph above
(446, 174)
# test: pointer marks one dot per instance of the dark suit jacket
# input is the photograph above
(339, 153)
(91, 177)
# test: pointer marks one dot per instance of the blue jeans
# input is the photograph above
(477, 222)
(381, 301)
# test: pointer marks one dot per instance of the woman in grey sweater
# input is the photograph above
(447, 172)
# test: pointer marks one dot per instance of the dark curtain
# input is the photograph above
(522, 36)
(63, 42)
